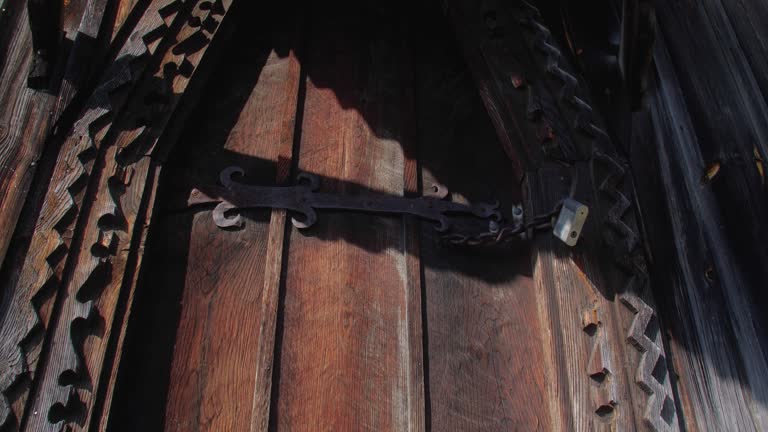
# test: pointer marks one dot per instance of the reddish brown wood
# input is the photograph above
(23, 134)
(346, 353)
(221, 369)
(264, 365)
(123, 9)
(24, 122)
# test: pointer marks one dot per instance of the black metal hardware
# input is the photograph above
(304, 198)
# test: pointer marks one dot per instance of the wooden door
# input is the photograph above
(361, 322)
(125, 307)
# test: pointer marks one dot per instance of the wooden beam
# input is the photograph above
(715, 345)
(728, 112)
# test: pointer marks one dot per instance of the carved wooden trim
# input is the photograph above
(42, 269)
(619, 228)
(49, 245)
(600, 365)
(660, 410)
(66, 390)
(519, 65)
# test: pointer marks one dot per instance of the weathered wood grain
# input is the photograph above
(85, 51)
(487, 369)
(264, 364)
(728, 111)
(747, 19)
(590, 377)
(346, 341)
(124, 9)
(38, 275)
(220, 378)
(24, 123)
(716, 352)
(84, 325)
(29, 115)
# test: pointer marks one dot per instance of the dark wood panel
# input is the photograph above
(716, 353)
(487, 369)
(346, 341)
(728, 112)
(608, 365)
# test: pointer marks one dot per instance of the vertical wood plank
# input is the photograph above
(24, 121)
(346, 343)
(487, 369)
(728, 111)
(264, 364)
(221, 368)
(717, 355)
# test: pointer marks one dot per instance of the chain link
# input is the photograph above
(500, 236)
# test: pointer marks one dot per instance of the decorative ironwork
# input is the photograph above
(305, 199)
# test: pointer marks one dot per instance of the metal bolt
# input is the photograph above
(493, 227)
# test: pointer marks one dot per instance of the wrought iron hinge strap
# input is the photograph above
(304, 198)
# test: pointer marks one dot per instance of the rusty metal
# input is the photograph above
(503, 236)
(305, 199)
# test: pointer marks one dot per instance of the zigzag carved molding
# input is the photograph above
(619, 229)
(68, 383)
(50, 242)
(659, 412)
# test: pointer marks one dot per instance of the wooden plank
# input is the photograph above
(574, 302)
(220, 378)
(346, 343)
(39, 274)
(747, 19)
(85, 51)
(595, 302)
(716, 353)
(487, 369)
(276, 240)
(728, 111)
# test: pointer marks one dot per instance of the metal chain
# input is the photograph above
(499, 236)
